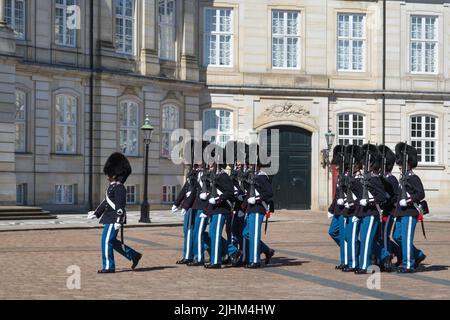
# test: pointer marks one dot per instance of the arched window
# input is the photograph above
(424, 137)
(170, 122)
(218, 126)
(125, 25)
(167, 29)
(66, 124)
(129, 128)
(351, 128)
(21, 121)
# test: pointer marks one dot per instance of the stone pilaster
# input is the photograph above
(189, 60)
(149, 49)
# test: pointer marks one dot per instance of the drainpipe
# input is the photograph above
(91, 109)
(383, 112)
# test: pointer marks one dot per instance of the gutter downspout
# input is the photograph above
(384, 76)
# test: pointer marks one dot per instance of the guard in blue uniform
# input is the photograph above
(112, 214)
(388, 248)
(185, 200)
(410, 200)
(220, 206)
(258, 198)
(353, 188)
(199, 208)
(337, 207)
(372, 200)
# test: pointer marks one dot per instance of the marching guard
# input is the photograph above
(410, 207)
(112, 214)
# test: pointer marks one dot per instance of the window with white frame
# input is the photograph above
(167, 29)
(424, 44)
(424, 137)
(170, 122)
(351, 129)
(15, 17)
(218, 126)
(285, 39)
(66, 124)
(169, 194)
(131, 195)
(129, 128)
(351, 42)
(64, 194)
(218, 37)
(125, 26)
(21, 121)
(64, 35)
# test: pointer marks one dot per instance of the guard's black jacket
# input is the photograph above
(264, 194)
(357, 190)
(223, 204)
(200, 204)
(392, 188)
(186, 196)
(340, 191)
(239, 193)
(117, 194)
(376, 189)
(415, 194)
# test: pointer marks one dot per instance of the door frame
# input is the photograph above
(315, 160)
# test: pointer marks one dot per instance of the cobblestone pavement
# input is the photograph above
(34, 266)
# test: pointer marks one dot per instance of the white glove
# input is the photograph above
(91, 215)
(363, 202)
(202, 215)
(403, 203)
(183, 212)
(188, 194)
(340, 202)
(203, 195)
(240, 197)
(330, 215)
(347, 205)
(355, 219)
(174, 209)
(241, 214)
(212, 201)
(251, 200)
(117, 226)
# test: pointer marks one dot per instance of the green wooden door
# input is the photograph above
(292, 183)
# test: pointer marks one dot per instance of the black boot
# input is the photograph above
(136, 261)
(196, 263)
(418, 261)
(341, 266)
(235, 258)
(212, 266)
(269, 256)
(106, 271)
(404, 270)
(253, 266)
(183, 261)
(348, 269)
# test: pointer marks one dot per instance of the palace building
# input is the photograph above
(77, 78)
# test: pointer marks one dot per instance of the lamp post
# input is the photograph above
(329, 137)
(147, 130)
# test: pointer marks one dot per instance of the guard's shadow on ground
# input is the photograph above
(430, 268)
(284, 262)
(147, 269)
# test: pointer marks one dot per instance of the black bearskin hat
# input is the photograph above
(400, 153)
(375, 156)
(117, 166)
(338, 155)
(357, 153)
(388, 156)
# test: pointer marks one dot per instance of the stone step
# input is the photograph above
(9, 209)
(43, 217)
(24, 213)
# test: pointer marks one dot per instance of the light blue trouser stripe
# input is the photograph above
(109, 244)
(404, 236)
(252, 237)
(369, 226)
(215, 234)
(188, 229)
(201, 241)
(351, 237)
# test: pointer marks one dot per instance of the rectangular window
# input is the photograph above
(424, 44)
(351, 129)
(15, 17)
(66, 124)
(129, 128)
(351, 42)
(170, 122)
(125, 26)
(131, 194)
(169, 194)
(218, 126)
(64, 194)
(21, 121)
(167, 29)
(285, 39)
(64, 35)
(424, 138)
(218, 37)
